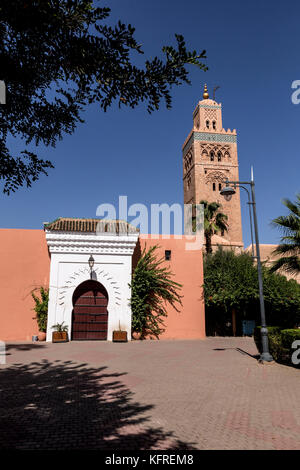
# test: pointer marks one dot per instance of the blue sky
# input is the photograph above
(253, 56)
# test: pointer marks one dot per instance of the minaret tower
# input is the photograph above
(209, 157)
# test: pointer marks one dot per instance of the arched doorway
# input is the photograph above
(89, 318)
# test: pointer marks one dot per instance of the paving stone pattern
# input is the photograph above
(209, 394)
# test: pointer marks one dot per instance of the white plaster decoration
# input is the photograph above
(62, 242)
(69, 268)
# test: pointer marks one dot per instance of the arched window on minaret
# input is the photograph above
(214, 186)
(212, 156)
(214, 125)
(207, 124)
(219, 156)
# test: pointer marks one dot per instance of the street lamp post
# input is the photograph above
(228, 191)
(250, 216)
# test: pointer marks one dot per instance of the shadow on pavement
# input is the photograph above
(65, 405)
(241, 351)
(23, 347)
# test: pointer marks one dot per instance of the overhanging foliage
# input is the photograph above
(58, 56)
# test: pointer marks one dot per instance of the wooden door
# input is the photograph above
(90, 314)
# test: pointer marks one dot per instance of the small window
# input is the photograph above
(219, 156)
(212, 156)
(220, 186)
(167, 255)
(214, 186)
(207, 124)
(214, 125)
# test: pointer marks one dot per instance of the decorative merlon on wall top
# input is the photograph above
(70, 242)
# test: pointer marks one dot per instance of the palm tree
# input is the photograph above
(290, 241)
(214, 222)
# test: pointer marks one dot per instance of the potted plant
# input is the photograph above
(41, 310)
(120, 336)
(60, 335)
(136, 335)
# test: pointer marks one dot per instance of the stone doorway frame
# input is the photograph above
(69, 253)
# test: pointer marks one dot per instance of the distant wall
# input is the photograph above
(24, 266)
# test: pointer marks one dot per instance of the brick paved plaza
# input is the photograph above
(209, 394)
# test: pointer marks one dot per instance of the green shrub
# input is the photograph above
(289, 336)
(41, 308)
(279, 353)
(280, 342)
(274, 340)
(272, 331)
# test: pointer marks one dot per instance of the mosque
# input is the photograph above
(87, 264)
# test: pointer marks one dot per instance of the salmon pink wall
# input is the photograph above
(187, 266)
(24, 266)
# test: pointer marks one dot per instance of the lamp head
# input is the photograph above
(91, 261)
(227, 192)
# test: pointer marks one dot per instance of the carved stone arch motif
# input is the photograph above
(82, 275)
(215, 176)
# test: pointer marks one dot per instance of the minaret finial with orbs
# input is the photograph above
(205, 94)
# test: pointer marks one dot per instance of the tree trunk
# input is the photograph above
(234, 322)
(208, 243)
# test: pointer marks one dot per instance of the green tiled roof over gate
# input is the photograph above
(64, 224)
